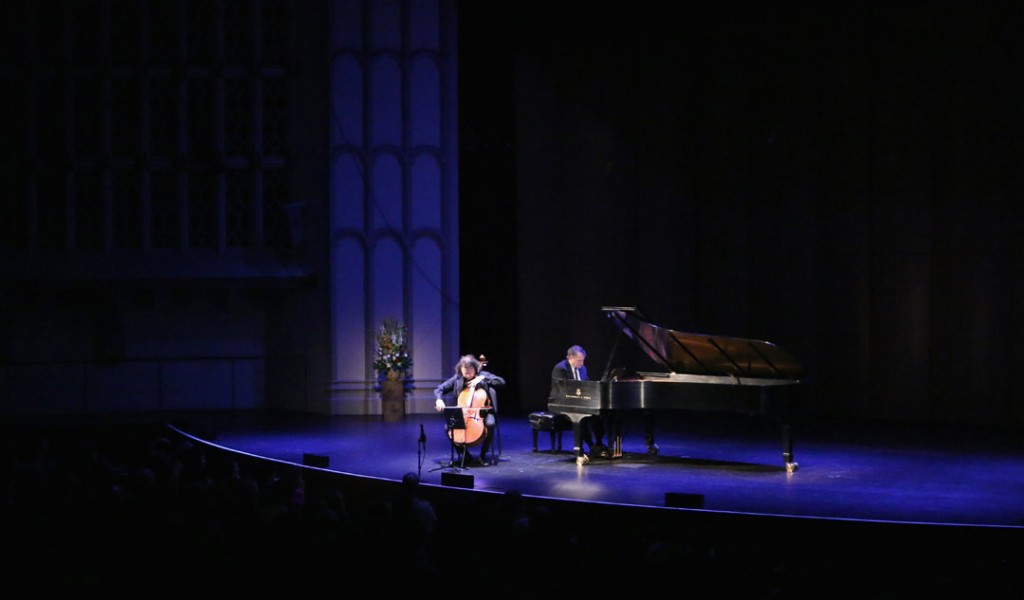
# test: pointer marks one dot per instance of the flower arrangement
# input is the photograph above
(392, 349)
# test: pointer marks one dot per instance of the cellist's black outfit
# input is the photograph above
(448, 392)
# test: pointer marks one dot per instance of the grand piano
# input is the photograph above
(701, 373)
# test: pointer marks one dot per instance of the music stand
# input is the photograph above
(454, 418)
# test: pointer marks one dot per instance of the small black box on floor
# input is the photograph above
(461, 480)
(681, 500)
(316, 460)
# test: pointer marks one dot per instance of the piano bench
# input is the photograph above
(555, 423)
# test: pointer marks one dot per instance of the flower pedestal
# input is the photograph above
(392, 398)
(392, 366)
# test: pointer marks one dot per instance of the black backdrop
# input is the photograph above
(839, 181)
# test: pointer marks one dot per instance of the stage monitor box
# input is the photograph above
(461, 480)
(681, 500)
(316, 460)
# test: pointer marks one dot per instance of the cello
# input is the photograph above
(472, 400)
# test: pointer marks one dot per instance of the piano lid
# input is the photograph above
(701, 354)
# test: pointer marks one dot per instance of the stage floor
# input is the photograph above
(865, 471)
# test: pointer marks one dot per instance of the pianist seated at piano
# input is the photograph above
(690, 372)
(573, 367)
(469, 374)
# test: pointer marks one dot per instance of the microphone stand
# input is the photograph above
(421, 451)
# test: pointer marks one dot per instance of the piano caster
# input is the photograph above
(653, 449)
(791, 467)
(582, 460)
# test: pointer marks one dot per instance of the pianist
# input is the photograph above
(572, 367)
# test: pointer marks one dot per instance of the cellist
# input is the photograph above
(469, 378)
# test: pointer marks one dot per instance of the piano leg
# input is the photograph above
(652, 447)
(614, 431)
(787, 449)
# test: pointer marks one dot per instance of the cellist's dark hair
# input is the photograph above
(470, 361)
